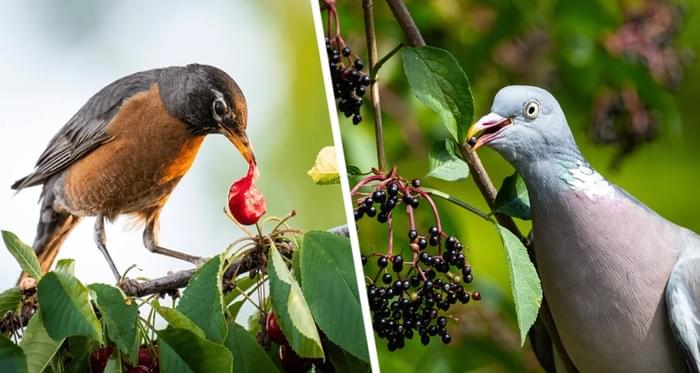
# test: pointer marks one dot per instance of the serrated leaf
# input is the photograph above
(293, 312)
(10, 300)
(183, 351)
(177, 320)
(440, 83)
(512, 198)
(345, 362)
(38, 346)
(330, 285)
(524, 282)
(12, 358)
(24, 254)
(66, 308)
(325, 168)
(248, 355)
(202, 300)
(66, 266)
(118, 313)
(444, 163)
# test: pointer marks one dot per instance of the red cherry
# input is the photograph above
(99, 358)
(139, 369)
(245, 201)
(476, 295)
(291, 362)
(273, 329)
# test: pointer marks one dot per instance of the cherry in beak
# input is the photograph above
(486, 129)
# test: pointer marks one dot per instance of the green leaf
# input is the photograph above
(248, 355)
(23, 253)
(439, 82)
(12, 358)
(512, 199)
(177, 320)
(524, 282)
(345, 362)
(114, 364)
(235, 308)
(291, 308)
(118, 313)
(10, 300)
(66, 266)
(202, 300)
(330, 285)
(444, 163)
(39, 347)
(183, 351)
(355, 171)
(325, 168)
(66, 308)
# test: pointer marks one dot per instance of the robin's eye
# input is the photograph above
(531, 110)
(219, 107)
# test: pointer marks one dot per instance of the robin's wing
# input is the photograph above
(87, 129)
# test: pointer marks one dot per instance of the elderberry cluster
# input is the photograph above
(349, 82)
(410, 297)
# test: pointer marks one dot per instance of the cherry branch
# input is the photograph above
(169, 284)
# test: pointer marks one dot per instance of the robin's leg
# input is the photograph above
(100, 239)
(150, 240)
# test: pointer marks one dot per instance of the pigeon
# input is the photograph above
(622, 283)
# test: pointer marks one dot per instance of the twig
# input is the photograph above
(367, 6)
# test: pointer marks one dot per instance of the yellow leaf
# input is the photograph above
(325, 169)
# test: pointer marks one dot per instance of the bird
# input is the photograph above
(126, 149)
(622, 283)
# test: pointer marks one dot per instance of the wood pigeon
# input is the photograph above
(622, 283)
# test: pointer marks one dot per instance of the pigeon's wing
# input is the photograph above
(683, 303)
(87, 129)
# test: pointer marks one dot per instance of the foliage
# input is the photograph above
(200, 333)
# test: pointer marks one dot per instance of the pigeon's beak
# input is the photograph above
(486, 129)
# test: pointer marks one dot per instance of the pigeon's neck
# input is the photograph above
(562, 172)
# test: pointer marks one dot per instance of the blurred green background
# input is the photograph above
(56, 56)
(624, 74)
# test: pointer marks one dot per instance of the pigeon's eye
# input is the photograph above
(531, 110)
(219, 107)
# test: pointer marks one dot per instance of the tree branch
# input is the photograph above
(367, 6)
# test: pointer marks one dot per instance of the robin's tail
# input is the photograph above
(52, 230)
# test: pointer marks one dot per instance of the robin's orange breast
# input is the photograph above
(138, 168)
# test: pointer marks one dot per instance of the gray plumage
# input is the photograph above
(622, 283)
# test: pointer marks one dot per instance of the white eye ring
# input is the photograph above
(531, 110)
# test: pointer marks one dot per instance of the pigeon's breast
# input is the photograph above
(604, 262)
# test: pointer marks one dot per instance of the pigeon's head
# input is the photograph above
(525, 123)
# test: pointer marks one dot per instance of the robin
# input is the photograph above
(125, 150)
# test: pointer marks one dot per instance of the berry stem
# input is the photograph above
(458, 202)
(436, 213)
(367, 6)
(390, 243)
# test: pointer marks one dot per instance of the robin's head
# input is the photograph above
(209, 101)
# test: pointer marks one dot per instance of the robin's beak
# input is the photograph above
(486, 129)
(240, 141)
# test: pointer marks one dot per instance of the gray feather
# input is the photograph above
(683, 302)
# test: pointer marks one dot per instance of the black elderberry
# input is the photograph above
(346, 52)
(393, 189)
(371, 211)
(383, 217)
(387, 279)
(433, 231)
(364, 259)
(412, 235)
(446, 339)
(422, 243)
(415, 183)
(382, 262)
(398, 263)
(379, 196)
